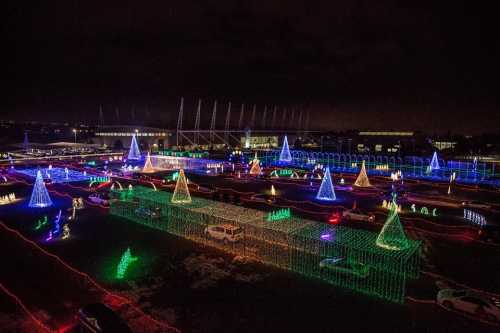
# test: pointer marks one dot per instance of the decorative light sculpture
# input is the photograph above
(124, 263)
(273, 191)
(148, 166)
(181, 192)
(40, 196)
(255, 170)
(326, 191)
(285, 152)
(134, 153)
(66, 232)
(392, 236)
(280, 214)
(434, 163)
(362, 180)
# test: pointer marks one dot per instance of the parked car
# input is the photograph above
(99, 199)
(475, 204)
(357, 215)
(98, 318)
(345, 266)
(147, 213)
(483, 307)
(224, 232)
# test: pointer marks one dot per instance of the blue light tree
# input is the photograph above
(326, 191)
(285, 152)
(134, 153)
(40, 196)
(434, 163)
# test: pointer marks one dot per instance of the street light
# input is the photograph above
(74, 132)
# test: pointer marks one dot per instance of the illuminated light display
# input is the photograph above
(434, 163)
(57, 224)
(475, 218)
(392, 236)
(148, 166)
(8, 198)
(284, 173)
(273, 191)
(40, 196)
(334, 218)
(424, 211)
(100, 179)
(125, 261)
(181, 192)
(326, 191)
(255, 170)
(383, 167)
(280, 214)
(65, 232)
(434, 212)
(362, 180)
(134, 153)
(174, 176)
(285, 155)
(42, 222)
(56, 175)
(294, 243)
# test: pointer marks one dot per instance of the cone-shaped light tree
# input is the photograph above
(148, 166)
(392, 236)
(285, 152)
(40, 196)
(326, 191)
(434, 163)
(255, 170)
(362, 180)
(181, 192)
(134, 153)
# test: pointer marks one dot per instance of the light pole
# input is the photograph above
(74, 132)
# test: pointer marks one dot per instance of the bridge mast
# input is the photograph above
(197, 124)
(179, 122)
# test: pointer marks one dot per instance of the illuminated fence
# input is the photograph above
(341, 256)
(411, 166)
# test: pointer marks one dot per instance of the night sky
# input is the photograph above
(353, 64)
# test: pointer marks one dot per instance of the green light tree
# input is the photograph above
(392, 236)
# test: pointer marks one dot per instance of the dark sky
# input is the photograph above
(361, 64)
